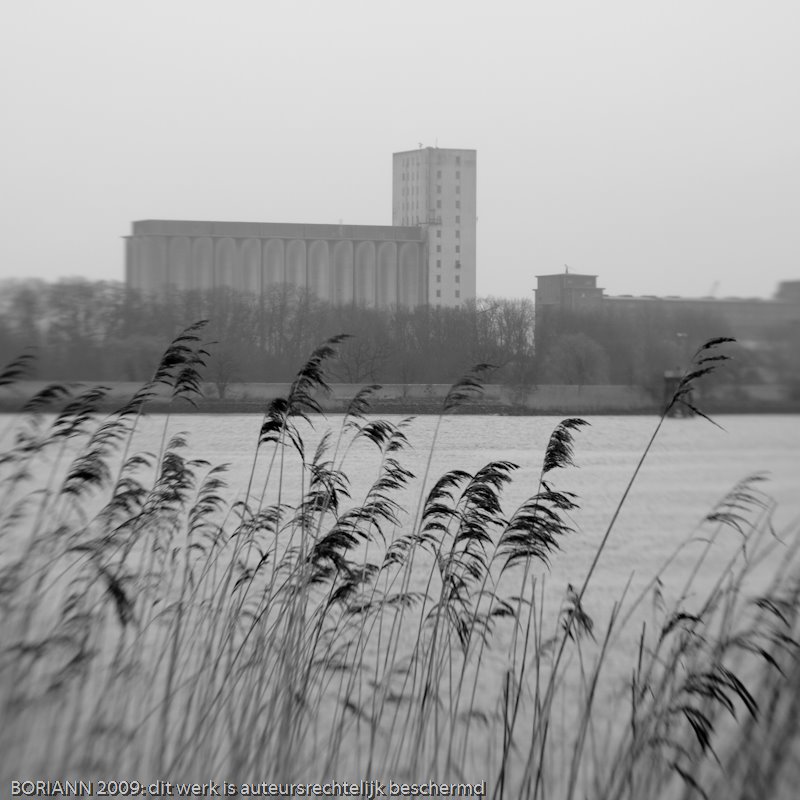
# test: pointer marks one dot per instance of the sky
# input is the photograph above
(654, 144)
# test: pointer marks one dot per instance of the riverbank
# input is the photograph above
(422, 399)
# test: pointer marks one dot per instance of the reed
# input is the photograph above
(158, 623)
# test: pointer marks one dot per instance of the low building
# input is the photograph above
(747, 319)
(567, 290)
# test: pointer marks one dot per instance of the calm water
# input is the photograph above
(691, 467)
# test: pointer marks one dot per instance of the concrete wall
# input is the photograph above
(423, 398)
(558, 399)
(436, 187)
(748, 319)
(541, 399)
(374, 266)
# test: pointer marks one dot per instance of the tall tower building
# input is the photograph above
(436, 189)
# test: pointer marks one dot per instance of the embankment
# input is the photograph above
(417, 398)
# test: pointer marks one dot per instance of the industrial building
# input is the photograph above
(436, 190)
(748, 319)
(567, 290)
(427, 255)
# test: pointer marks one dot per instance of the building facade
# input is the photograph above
(427, 256)
(437, 189)
(750, 320)
(371, 265)
(567, 290)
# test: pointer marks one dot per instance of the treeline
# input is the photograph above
(100, 331)
(87, 330)
(637, 343)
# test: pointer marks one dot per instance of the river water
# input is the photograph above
(690, 468)
(692, 465)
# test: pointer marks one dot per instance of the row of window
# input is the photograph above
(439, 263)
(439, 233)
(439, 279)
(439, 248)
(408, 190)
(439, 293)
(414, 206)
(407, 207)
(407, 162)
(413, 179)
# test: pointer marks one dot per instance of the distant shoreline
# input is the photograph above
(423, 400)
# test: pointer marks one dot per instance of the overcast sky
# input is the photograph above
(656, 145)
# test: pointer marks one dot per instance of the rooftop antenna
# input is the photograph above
(566, 269)
(419, 144)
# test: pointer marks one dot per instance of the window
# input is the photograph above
(458, 174)
(458, 264)
(458, 220)
(458, 204)
(458, 190)
(438, 234)
(458, 248)
(439, 263)
(438, 204)
(438, 248)
(458, 279)
(458, 234)
(438, 190)
(438, 173)
(438, 292)
(458, 161)
(458, 294)
(438, 279)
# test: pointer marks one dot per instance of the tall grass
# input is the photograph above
(155, 624)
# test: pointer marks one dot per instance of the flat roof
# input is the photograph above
(679, 299)
(444, 149)
(567, 275)
(265, 230)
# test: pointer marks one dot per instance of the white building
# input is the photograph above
(436, 188)
(427, 255)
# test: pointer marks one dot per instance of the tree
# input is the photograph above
(575, 359)
(233, 332)
(364, 357)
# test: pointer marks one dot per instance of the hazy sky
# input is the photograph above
(656, 144)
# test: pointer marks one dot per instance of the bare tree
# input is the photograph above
(576, 360)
